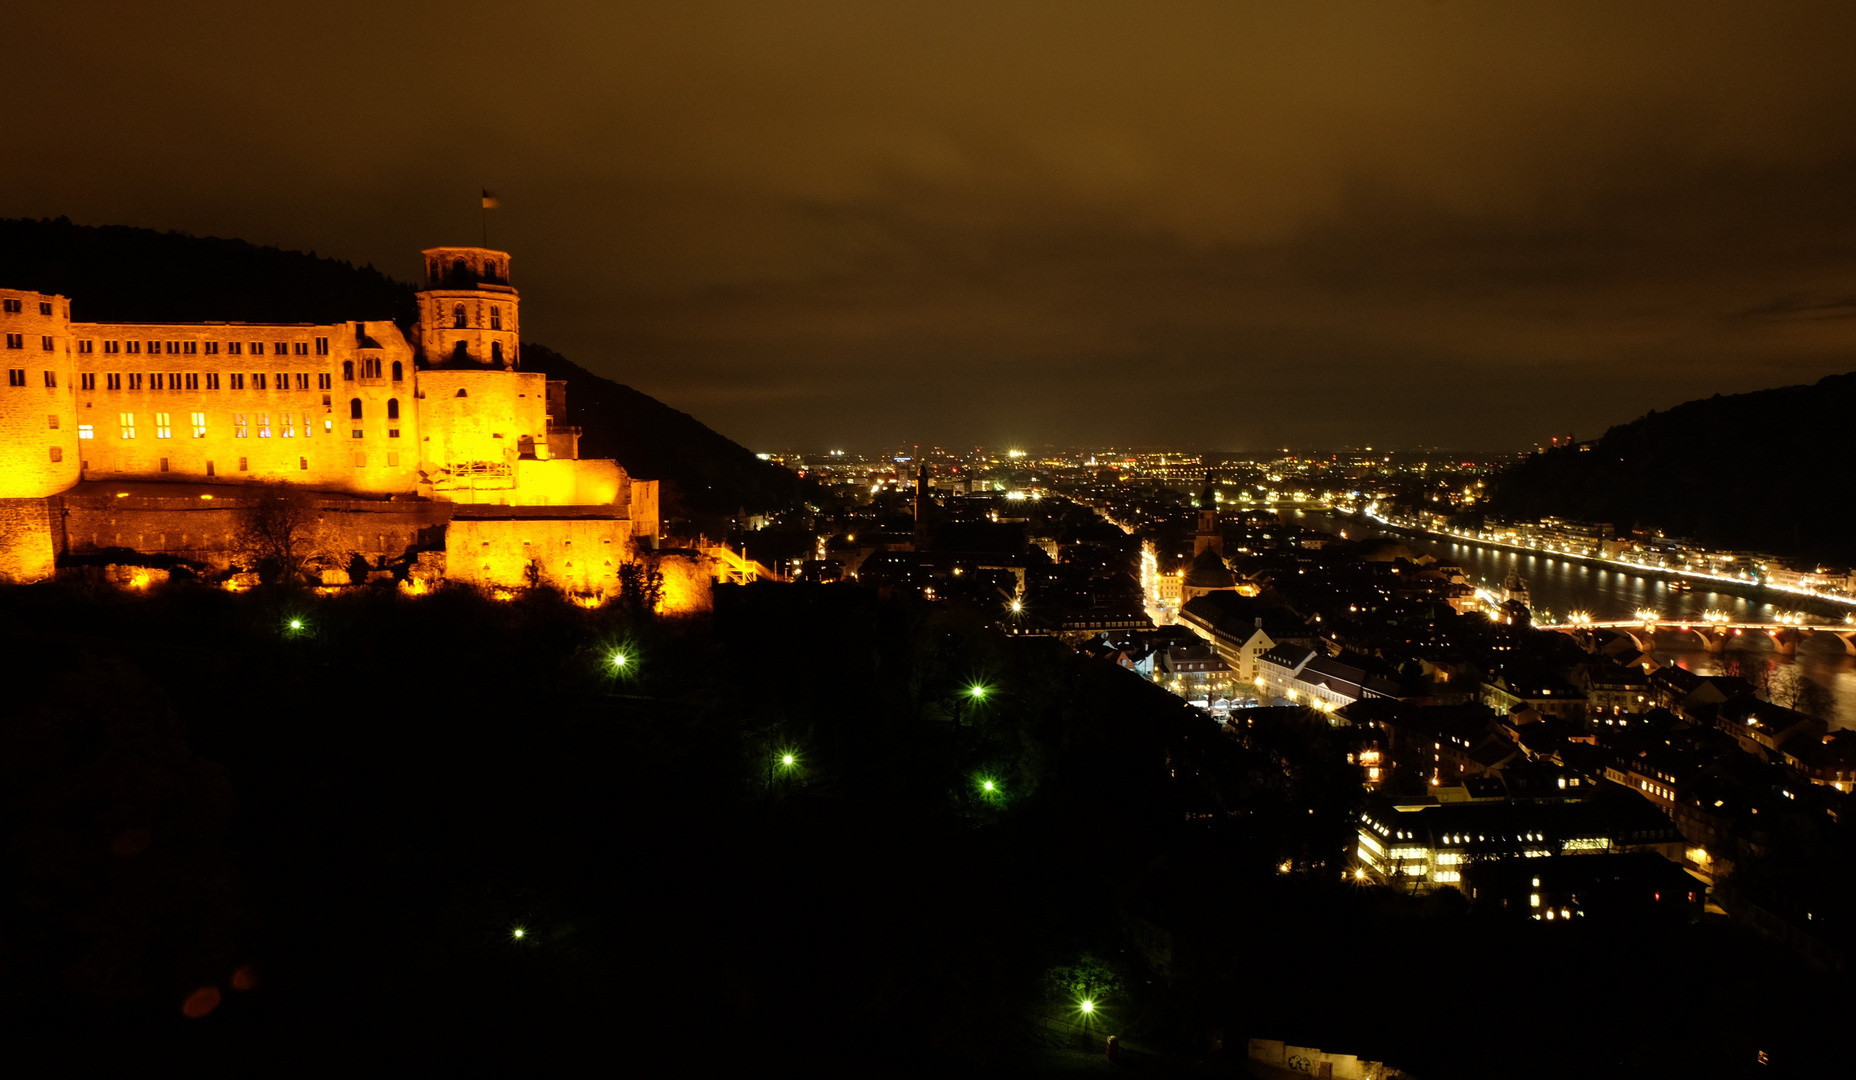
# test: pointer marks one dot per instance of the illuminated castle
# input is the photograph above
(353, 411)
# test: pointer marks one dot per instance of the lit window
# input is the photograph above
(163, 426)
(240, 429)
(86, 431)
(285, 425)
(328, 426)
(264, 425)
(199, 425)
(128, 424)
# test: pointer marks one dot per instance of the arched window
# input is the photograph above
(399, 371)
(347, 370)
(459, 320)
(462, 353)
(354, 409)
(465, 393)
(496, 317)
(496, 352)
(460, 270)
(393, 408)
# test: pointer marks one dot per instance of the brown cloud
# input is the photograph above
(1241, 224)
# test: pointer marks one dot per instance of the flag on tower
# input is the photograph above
(490, 202)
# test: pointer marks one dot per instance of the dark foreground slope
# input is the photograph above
(120, 274)
(196, 796)
(1766, 471)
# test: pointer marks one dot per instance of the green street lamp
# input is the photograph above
(619, 660)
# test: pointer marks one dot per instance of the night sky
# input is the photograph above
(1235, 225)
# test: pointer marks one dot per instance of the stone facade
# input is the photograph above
(388, 434)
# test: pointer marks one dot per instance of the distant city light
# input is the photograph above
(1018, 605)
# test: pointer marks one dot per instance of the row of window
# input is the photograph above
(244, 464)
(242, 425)
(13, 306)
(460, 319)
(190, 380)
(190, 348)
(18, 341)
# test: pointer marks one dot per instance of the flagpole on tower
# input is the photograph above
(489, 203)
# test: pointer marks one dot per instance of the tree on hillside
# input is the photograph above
(276, 533)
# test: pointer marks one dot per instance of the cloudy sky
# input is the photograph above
(1229, 224)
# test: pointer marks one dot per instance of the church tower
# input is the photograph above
(467, 311)
(1211, 536)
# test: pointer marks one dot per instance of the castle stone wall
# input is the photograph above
(27, 545)
(185, 406)
(576, 554)
(38, 418)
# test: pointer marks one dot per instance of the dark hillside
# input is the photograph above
(1766, 471)
(116, 273)
(712, 474)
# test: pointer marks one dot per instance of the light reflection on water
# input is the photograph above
(1559, 586)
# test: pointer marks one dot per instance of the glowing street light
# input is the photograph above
(988, 786)
(296, 624)
(518, 933)
(619, 660)
(976, 692)
(1086, 1006)
(788, 760)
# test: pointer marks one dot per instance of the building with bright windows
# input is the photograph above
(440, 411)
(1424, 844)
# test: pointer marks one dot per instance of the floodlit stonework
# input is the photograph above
(384, 429)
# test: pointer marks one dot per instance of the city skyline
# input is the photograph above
(1237, 228)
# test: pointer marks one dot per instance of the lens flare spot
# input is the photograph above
(200, 1003)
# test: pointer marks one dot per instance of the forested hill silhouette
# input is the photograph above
(117, 273)
(1766, 471)
(710, 473)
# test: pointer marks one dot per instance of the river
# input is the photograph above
(1559, 586)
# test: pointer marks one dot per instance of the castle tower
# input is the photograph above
(467, 311)
(39, 451)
